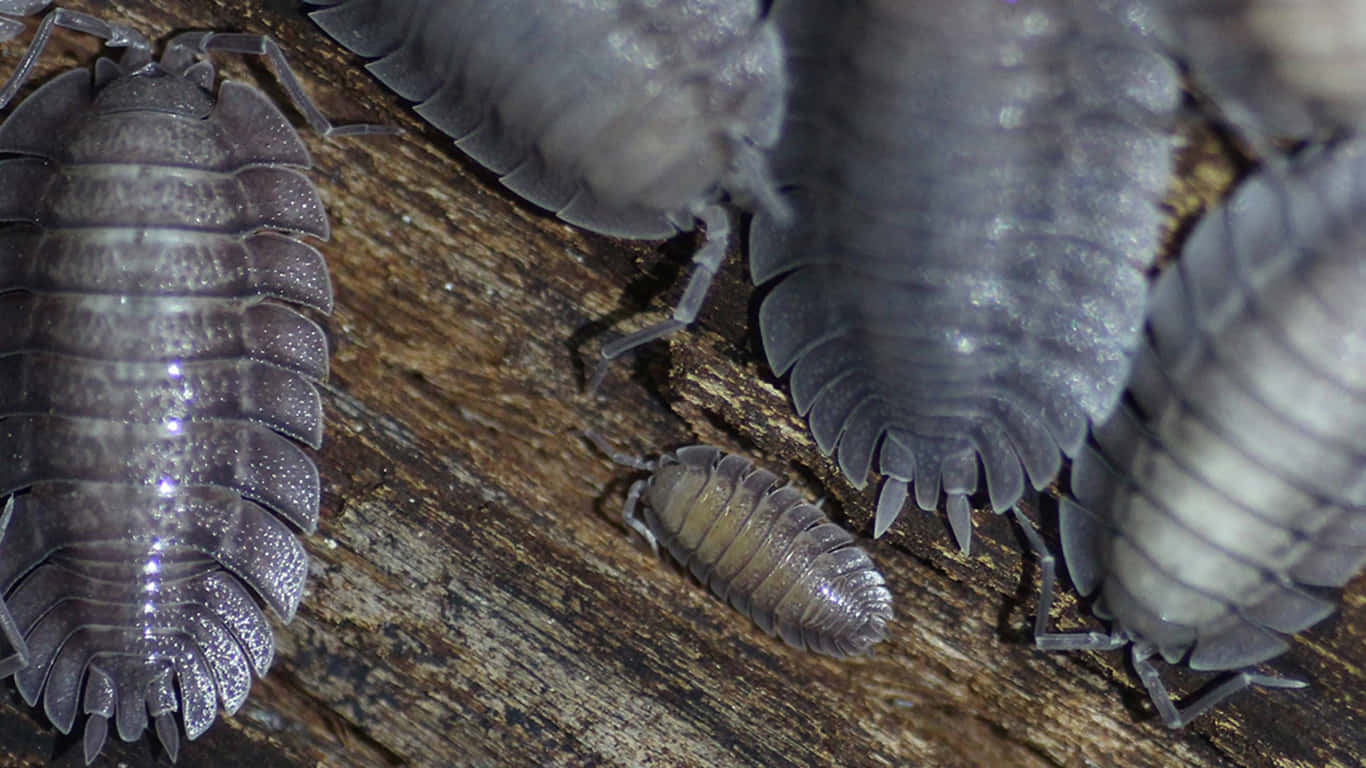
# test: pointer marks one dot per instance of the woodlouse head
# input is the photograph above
(671, 483)
(152, 87)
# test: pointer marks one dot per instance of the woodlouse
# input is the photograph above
(1237, 476)
(760, 547)
(156, 366)
(625, 117)
(1275, 68)
(975, 188)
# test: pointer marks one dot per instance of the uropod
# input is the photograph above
(158, 376)
(1206, 509)
(630, 118)
(761, 547)
(975, 188)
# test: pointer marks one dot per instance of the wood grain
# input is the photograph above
(472, 600)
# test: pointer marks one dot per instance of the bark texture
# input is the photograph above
(473, 601)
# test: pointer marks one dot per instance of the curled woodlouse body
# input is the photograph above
(762, 548)
(975, 189)
(1236, 477)
(1276, 68)
(626, 117)
(156, 376)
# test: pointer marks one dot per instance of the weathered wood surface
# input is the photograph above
(473, 602)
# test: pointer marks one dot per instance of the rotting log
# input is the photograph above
(473, 601)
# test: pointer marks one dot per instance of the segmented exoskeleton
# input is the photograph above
(1276, 68)
(761, 547)
(975, 190)
(1237, 476)
(625, 117)
(155, 375)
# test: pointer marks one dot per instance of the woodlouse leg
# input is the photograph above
(203, 42)
(113, 35)
(14, 654)
(630, 516)
(1179, 717)
(706, 262)
(1045, 640)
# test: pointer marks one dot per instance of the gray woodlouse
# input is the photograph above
(760, 547)
(1276, 68)
(156, 366)
(975, 188)
(625, 117)
(1237, 476)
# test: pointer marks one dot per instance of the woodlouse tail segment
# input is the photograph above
(959, 513)
(890, 500)
(92, 740)
(185, 48)
(706, 262)
(1175, 716)
(169, 734)
(113, 35)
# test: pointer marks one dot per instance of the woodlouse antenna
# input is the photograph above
(706, 263)
(610, 451)
(188, 45)
(113, 35)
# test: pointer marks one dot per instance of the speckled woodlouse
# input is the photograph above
(975, 189)
(760, 547)
(156, 366)
(625, 117)
(1236, 476)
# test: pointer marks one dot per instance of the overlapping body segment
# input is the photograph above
(1237, 477)
(975, 188)
(155, 365)
(622, 116)
(765, 550)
